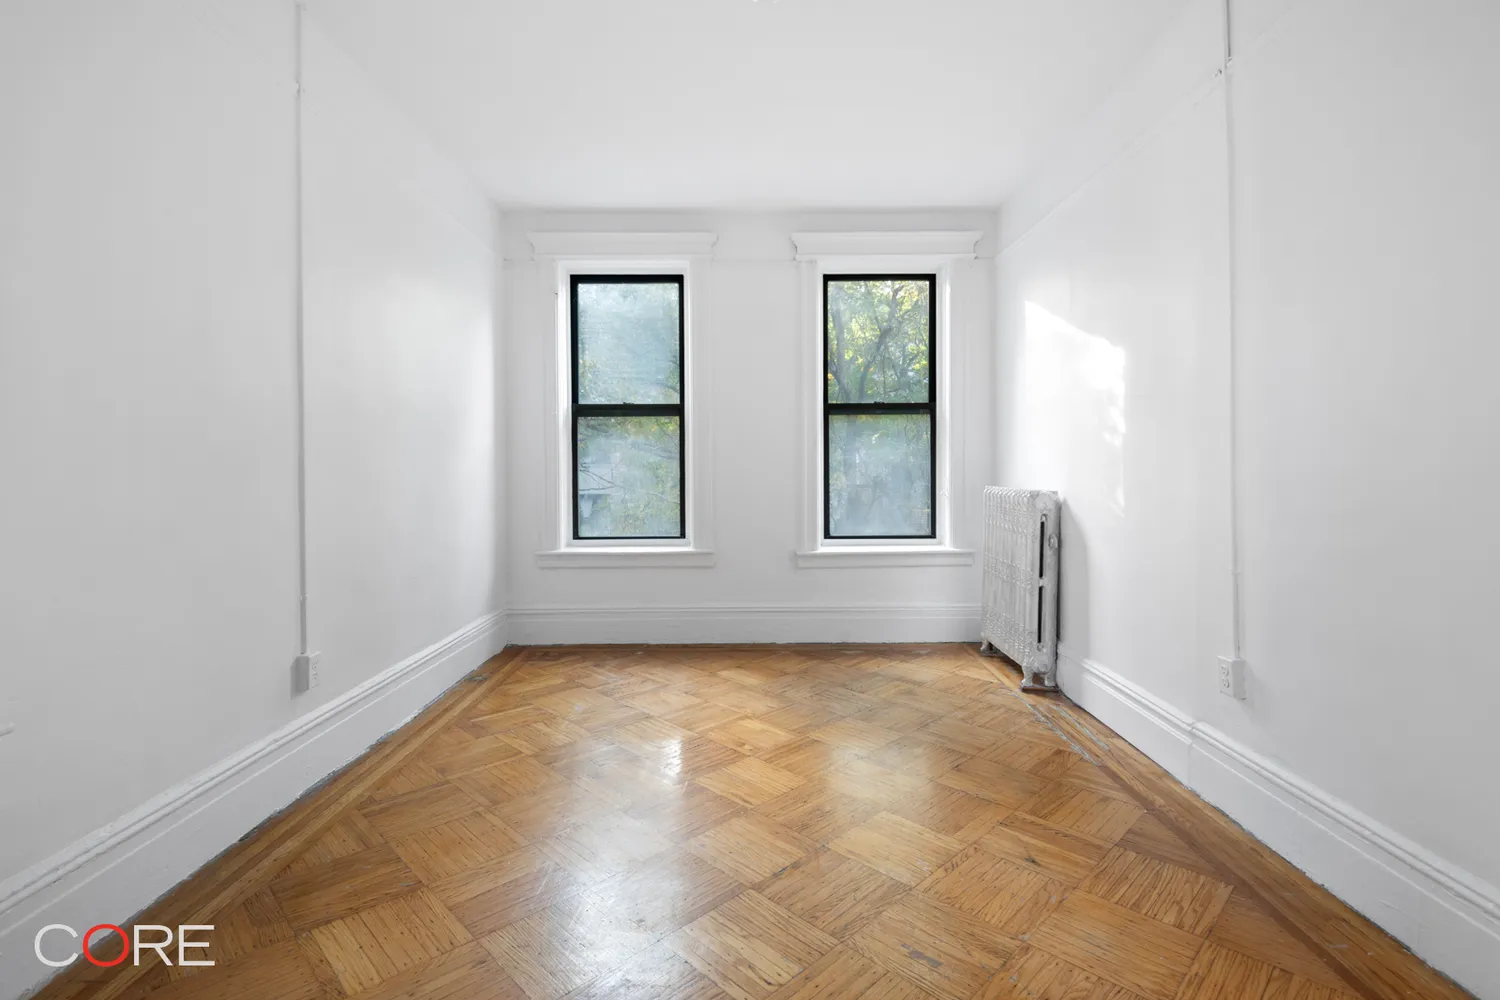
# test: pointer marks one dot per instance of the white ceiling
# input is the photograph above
(739, 103)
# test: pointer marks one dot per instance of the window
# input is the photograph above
(883, 478)
(628, 455)
(879, 375)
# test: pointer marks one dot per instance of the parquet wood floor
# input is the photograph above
(761, 823)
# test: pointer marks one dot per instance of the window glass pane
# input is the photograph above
(879, 474)
(628, 345)
(629, 477)
(878, 336)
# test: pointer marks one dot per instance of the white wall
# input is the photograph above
(1368, 439)
(401, 433)
(1363, 136)
(1113, 321)
(146, 320)
(751, 325)
(148, 435)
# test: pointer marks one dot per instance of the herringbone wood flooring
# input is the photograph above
(752, 823)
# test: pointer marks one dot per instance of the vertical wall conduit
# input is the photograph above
(301, 387)
(1236, 570)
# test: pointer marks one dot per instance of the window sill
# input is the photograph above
(624, 557)
(874, 556)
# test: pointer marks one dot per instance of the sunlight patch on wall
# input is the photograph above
(1072, 396)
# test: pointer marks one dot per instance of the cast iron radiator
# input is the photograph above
(1019, 614)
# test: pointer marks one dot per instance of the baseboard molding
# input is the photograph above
(556, 625)
(1154, 727)
(1447, 916)
(119, 869)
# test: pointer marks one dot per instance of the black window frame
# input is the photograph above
(677, 409)
(856, 409)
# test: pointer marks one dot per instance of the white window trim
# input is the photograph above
(874, 253)
(560, 256)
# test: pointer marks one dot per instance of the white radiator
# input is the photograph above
(1021, 539)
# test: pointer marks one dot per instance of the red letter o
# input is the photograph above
(124, 945)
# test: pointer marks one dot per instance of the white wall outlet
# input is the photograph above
(305, 671)
(1232, 677)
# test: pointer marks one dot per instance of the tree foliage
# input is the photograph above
(878, 336)
(629, 483)
(628, 343)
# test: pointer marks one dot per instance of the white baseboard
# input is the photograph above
(119, 869)
(743, 623)
(1447, 916)
(1152, 726)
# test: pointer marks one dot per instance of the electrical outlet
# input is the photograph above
(1232, 677)
(305, 669)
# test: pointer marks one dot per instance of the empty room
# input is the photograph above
(749, 500)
